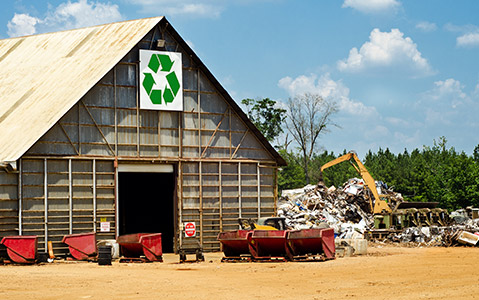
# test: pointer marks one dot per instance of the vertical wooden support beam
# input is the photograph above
(199, 113)
(239, 190)
(201, 200)
(116, 112)
(180, 134)
(231, 145)
(275, 190)
(70, 197)
(79, 130)
(220, 191)
(180, 201)
(45, 202)
(20, 196)
(117, 211)
(137, 112)
(258, 178)
(94, 195)
(159, 133)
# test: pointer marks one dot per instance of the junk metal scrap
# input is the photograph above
(348, 212)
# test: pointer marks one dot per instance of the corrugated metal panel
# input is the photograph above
(43, 76)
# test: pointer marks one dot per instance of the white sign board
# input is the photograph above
(161, 80)
(190, 229)
(105, 226)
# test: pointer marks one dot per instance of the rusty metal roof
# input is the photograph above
(43, 76)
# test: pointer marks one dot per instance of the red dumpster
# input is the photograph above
(235, 243)
(266, 244)
(138, 244)
(311, 242)
(21, 249)
(82, 246)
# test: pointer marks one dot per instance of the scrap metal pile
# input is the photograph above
(463, 229)
(347, 211)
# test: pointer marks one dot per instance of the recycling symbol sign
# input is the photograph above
(161, 80)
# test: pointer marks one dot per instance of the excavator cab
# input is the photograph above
(266, 223)
(275, 222)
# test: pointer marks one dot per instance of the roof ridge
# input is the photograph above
(83, 28)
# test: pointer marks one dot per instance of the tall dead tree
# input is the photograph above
(309, 116)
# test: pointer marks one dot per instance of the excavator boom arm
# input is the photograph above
(379, 205)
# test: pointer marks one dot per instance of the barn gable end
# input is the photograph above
(70, 179)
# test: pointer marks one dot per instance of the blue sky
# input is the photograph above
(402, 72)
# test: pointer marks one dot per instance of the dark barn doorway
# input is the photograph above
(146, 205)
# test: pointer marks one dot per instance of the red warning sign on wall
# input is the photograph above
(190, 229)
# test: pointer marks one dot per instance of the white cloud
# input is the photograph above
(426, 26)
(407, 139)
(197, 8)
(398, 121)
(449, 91)
(475, 93)
(447, 103)
(461, 28)
(386, 50)
(380, 131)
(328, 89)
(67, 15)
(372, 6)
(468, 40)
(22, 24)
(449, 87)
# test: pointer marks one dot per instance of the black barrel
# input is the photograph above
(42, 257)
(104, 255)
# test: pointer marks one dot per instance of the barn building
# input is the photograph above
(120, 128)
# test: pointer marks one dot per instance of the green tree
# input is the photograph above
(266, 115)
(290, 176)
(475, 154)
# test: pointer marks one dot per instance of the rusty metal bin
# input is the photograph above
(235, 243)
(311, 242)
(82, 246)
(267, 244)
(138, 244)
(21, 249)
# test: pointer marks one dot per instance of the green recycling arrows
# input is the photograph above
(161, 64)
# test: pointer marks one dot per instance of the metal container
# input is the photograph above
(267, 243)
(138, 244)
(82, 246)
(311, 242)
(360, 246)
(235, 243)
(21, 249)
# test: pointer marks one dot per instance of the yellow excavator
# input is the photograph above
(378, 206)
(387, 218)
(265, 223)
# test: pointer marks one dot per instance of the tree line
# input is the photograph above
(436, 173)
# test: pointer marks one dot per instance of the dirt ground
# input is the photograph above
(385, 273)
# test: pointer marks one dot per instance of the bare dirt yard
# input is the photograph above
(385, 273)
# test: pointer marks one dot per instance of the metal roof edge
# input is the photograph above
(82, 28)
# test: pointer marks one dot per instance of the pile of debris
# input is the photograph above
(348, 211)
(464, 230)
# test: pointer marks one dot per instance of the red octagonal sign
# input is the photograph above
(190, 229)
